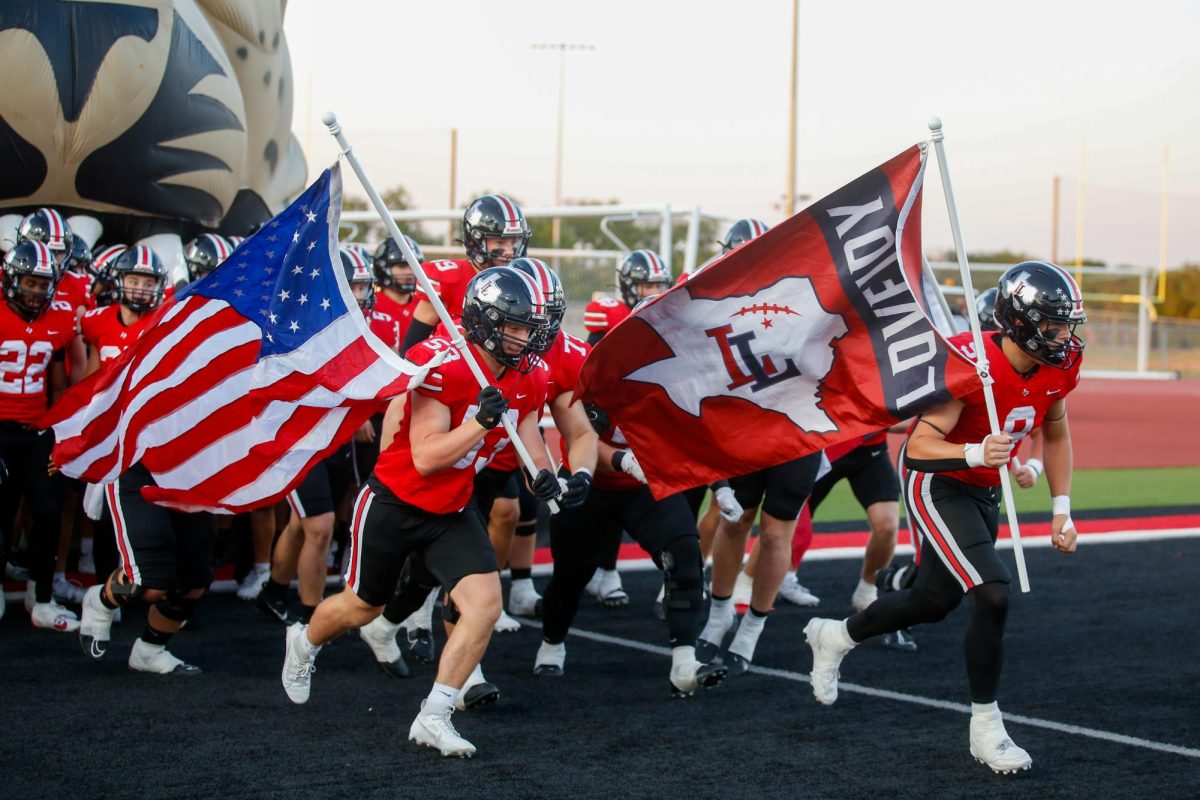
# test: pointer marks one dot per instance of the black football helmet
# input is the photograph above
(358, 272)
(138, 260)
(985, 309)
(103, 287)
(493, 216)
(641, 266)
(500, 296)
(551, 288)
(79, 260)
(741, 232)
(30, 258)
(205, 253)
(387, 254)
(48, 227)
(1034, 292)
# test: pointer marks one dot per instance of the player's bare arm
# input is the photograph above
(928, 440)
(1059, 459)
(572, 422)
(435, 445)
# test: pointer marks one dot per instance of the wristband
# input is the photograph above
(973, 453)
(935, 464)
(583, 469)
(1035, 465)
(617, 457)
(1061, 504)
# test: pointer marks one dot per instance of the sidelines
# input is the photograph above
(886, 694)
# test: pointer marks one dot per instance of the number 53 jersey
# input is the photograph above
(1021, 403)
(26, 349)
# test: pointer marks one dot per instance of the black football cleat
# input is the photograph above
(419, 644)
(276, 609)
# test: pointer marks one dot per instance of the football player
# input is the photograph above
(397, 284)
(205, 253)
(414, 506)
(951, 492)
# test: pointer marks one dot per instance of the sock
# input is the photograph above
(748, 632)
(720, 618)
(104, 601)
(424, 615)
(846, 641)
(154, 637)
(262, 566)
(306, 613)
(520, 573)
(475, 677)
(985, 710)
(274, 591)
(685, 654)
(308, 647)
(551, 653)
(866, 590)
(440, 699)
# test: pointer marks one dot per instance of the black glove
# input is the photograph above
(577, 489)
(492, 406)
(545, 486)
(597, 417)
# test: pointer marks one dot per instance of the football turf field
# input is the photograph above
(1102, 662)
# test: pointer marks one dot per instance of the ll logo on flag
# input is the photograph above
(771, 348)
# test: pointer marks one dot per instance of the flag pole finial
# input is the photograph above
(935, 126)
(331, 122)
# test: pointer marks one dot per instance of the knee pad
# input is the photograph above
(683, 571)
(416, 576)
(177, 606)
(124, 590)
(937, 604)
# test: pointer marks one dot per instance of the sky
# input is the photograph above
(687, 104)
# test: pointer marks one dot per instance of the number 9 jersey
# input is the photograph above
(1021, 402)
(26, 349)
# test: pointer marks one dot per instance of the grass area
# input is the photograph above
(1092, 489)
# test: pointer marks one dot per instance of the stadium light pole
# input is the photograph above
(561, 48)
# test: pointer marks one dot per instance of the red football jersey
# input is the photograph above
(453, 385)
(104, 331)
(386, 328)
(1021, 403)
(401, 312)
(77, 289)
(602, 315)
(565, 359)
(449, 279)
(507, 458)
(25, 352)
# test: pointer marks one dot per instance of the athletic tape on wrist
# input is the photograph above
(973, 453)
(1035, 465)
(1061, 504)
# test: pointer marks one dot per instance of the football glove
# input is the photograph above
(492, 406)
(545, 486)
(731, 509)
(576, 488)
(627, 462)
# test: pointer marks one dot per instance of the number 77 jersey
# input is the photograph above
(26, 349)
(1021, 402)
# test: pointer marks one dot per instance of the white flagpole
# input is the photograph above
(981, 364)
(456, 337)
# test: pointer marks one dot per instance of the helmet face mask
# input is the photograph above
(504, 313)
(1039, 306)
(494, 231)
(552, 289)
(30, 278)
(137, 276)
(360, 277)
(641, 268)
(391, 270)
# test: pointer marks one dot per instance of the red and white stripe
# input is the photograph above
(657, 270)
(928, 524)
(293, 501)
(143, 260)
(512, 218)
(121, 529)
(58, 229)
(536, 295)
(358, 520)
(1076, 294)
(220, 246)
(108, 255)
(595, 320)
(757, 228)
(543, 275)
(44, 266)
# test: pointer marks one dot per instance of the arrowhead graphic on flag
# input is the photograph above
(249, 378)
(811, 334)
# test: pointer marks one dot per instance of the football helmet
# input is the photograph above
(1034, 292)
(103, 288)
(30, 258)
(48, 227)
(358, 273)
(985, 309)
(205, 253)
(138, 260)
(741, 232)
(641, 267)
(388, 254)
(551, 288)
(493, 216)
(501, 296)
(79, 260)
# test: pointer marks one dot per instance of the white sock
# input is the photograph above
(262, 567)
(720, 618)
(747, 635)
(843, 633)
(310, 648)
(985, 710)
(440, 699)
(551, 653)
(682, 655)
(522, 584)
(383, 622)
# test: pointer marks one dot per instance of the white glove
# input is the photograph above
(731, 509)
(631, 467)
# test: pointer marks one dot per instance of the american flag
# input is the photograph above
(253, 374)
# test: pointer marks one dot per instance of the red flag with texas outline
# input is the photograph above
(813, 333)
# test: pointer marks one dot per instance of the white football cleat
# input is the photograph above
(792, 591)
(54, 617)
(828, 640)
(550, 660)
(689, 676)
(863, 596)
(437, 731)
(95, 626)
(606, 587)
(380, 636)
(991, 745)
(252, 584)
(155, 659)
(505, 624)
(298, 666)
(523, 600)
